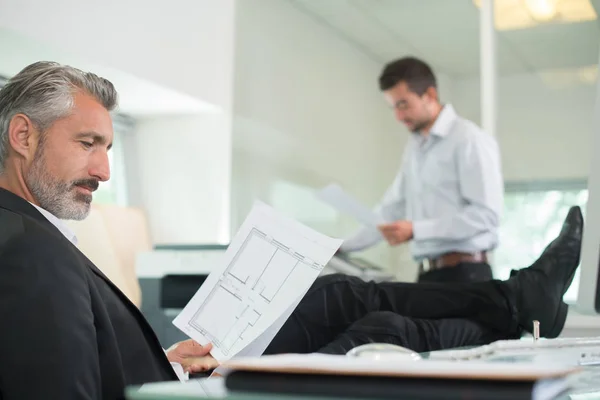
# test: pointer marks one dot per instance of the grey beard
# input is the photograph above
(58, 198)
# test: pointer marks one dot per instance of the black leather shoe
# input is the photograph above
(539, 288)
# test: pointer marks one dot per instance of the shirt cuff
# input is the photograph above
(426, 229)
(178, 368)
(181, 374)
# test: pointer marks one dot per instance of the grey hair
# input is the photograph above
(43, 91)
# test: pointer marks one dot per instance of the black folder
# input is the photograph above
(377, 387)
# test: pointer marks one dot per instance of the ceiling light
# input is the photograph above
(521, 14)
(589, 74)
(542, 10)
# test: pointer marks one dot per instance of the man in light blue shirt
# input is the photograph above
(448, 195)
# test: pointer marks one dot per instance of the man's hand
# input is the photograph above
(397, 232)
(192, 356)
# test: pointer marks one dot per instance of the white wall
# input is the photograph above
(179, 168)
(307, 112)
(544, 130)
(178, 172)
(137, 96)
(182, 44)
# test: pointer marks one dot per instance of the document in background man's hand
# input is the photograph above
(270, 264)
(335, 196)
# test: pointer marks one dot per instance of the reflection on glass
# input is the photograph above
(531, 220)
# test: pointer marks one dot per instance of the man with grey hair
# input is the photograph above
(40, 95)
(67, 331)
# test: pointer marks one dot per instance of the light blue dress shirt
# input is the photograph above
(450, 186)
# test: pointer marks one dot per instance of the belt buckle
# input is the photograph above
(426, 264)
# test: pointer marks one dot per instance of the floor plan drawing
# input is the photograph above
(268, 267)
(251, 281)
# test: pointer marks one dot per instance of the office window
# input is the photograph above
(114, 191)
(532, 219)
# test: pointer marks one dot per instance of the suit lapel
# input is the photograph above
(20, 206)
(135, 312)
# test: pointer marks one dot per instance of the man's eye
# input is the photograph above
(87, 145)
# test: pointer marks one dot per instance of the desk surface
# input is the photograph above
(586, 385)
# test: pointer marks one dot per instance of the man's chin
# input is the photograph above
(77, 209)
(79, 212)
(412, 128)
(80, 216)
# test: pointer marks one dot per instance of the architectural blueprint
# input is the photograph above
(268, 267)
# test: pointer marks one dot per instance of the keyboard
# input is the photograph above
(586, 350)
(580, 352)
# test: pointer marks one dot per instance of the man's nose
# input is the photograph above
(400, 115)
(100, 167)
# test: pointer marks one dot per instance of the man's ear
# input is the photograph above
(432, 93)
(23, 136)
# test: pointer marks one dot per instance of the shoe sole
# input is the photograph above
(559, 321)
(563, 309)
(572, 275)
(570, 280)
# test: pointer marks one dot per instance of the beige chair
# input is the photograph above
(111, 237)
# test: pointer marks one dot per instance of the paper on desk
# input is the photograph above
(334, 195)
(270, 264)
(343, 365)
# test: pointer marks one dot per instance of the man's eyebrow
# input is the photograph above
(95, 136)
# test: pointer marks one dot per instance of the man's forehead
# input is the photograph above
(89, 125)
(88, 111)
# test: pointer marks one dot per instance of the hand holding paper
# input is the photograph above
(397, 232)
(192, 356)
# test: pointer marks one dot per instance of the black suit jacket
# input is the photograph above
(66, 332)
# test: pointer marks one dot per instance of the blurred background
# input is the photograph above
(224, 102)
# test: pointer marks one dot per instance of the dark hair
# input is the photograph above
(416, 73)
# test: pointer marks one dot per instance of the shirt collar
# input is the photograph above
(60, 225)
(443, 123)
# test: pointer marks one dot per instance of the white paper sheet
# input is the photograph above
(269, 266)
(261, 343)
(339, 364)
(335, 196)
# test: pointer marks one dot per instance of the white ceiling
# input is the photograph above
(137, 97)
(446, 34)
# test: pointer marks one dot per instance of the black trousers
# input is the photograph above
(463, 272)
(340, 312)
